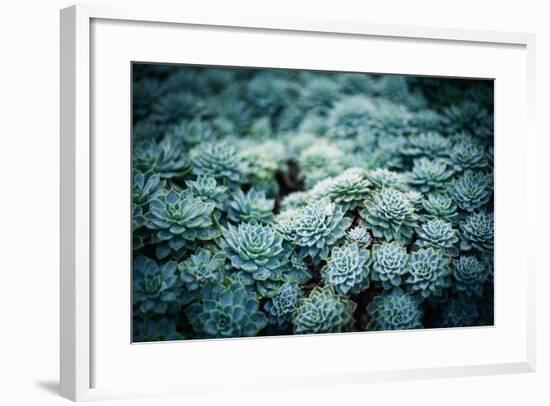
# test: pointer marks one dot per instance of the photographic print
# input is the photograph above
(272, 202)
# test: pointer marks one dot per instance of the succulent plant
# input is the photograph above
(144, 186)
(477, 232)
(189, 134)
(390, 215)
(383, 178)
(429, 272)
(390, 262)
(151, 330)
(349, 189)
(319, 95)
(295, 200)
(219, 160)
(226, 310)
(438, 233)
(323, 311)
(389, 119)
(319, 161)
(349, 117)
(176, 106)
(470, 274)
(359, 235)
(471, 190)
(154, 287)
(394, 310)
(347, 270)
(430, 175)
(282, 306)
(459, 312)
(270, 94)
(165, 159)
(207, 189)
(467, 154)
(252, 207)
(428, 145)
(177, 218)
(320, 225)
(202, 268)
(439, 206)
(256, 253)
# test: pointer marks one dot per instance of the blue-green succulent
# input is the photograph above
(178, 218)
(155, 288)
(151, 330)
(219, 160)
(390, 262)
(359, 235)
(209, 190)
(439, 206)
(257, 255)
(477, 232)
(438, 233)
(470, 274)
(394, 310)
(471, 191)
(429, 175)
(459, 312)
(428, 145)
(226, 310)
(429, 272)
(164, 158)
(318, 227)
(202, 268)
(349, 189)
(390, 215)
(282, 306)
(467, 154)
(323, 311)
(383, 178)
(252, 207)
(349, 117)
(144, 187)
(348, 269)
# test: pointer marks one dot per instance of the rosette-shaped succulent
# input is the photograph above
(389, 119)
(459, 312)
(439, 206)
(319, 95)
(383, 178)
(349, 189)
(188, 134)
(282, 306)
(390, 215)
(359, 235)
(298, 271)
(155, 330)
(467, 154)
(178, 217)
(429, 272)
(318, 227)
(470, 274)
(252, 207)
(219, 160)
(226, 310)
(347, 270)
(349, 117)
(429, 175)
(295, 200)
(207, 189)
(143, 188)
(202, 268)
(438, 233)
(429, 145)
(319, 161)
(477, 232)
(165, 158)
(176, 106)
(270, 94)
(323, 311)
(394, 310)
(471, 191)
(154, 286)
(389, 263)
(256, 252)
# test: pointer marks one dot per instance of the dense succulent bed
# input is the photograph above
(273, 202)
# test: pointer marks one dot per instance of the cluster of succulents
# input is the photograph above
(270, 202)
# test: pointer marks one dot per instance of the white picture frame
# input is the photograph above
(78, 354)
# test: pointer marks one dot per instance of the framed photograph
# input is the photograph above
(337, 201)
